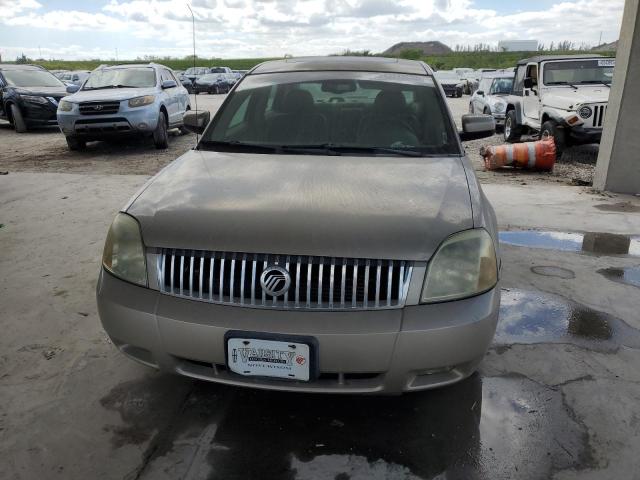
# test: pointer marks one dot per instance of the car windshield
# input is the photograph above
(597, 70)
(502, 86)
(218, 70)
(210, 77)
(31, 78)
(121, 77)
(334, 113)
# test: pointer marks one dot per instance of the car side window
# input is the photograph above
(532, 72)
(518, 83)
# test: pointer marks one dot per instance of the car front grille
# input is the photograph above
(99, 108)
(597, 118)
(316, 283)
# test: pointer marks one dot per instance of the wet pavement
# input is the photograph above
(591, 243)
(528, 317)
(481, 428)
(626, 275)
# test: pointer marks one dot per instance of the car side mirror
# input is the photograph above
(73, 88)
(477, 126)
(529, 83)
(168, 84)
(196, 122)
(480, 92)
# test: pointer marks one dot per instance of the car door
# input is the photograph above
(182, 96)
(3, 114)
(531, 96)
(171, 100)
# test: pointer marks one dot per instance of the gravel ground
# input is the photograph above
(576, 167)
(45, 150)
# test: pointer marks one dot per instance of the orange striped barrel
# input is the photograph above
(539, 155)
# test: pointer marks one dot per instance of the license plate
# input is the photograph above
(255, 357)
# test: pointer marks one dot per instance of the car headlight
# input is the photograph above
(499, 107)
(124, 251)
(585, 112)
(65, 106)
(142, 101)
(34, 99)
(463, 266)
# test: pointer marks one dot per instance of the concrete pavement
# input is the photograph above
(556, 397)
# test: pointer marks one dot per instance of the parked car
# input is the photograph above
(220, 70)
(143, 99)
(58, 73)
(466, 76)
(564, 96)
(212, 83)
(330, 237)
(490, 97)
(29, 96)
(195, 72)
(452, 85)
(185, 81)
(76, 77)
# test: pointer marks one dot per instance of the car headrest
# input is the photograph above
(390, 101)
(298, 101)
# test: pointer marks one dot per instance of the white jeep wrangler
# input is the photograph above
(562, 96)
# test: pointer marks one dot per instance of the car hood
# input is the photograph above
(568, 98)
(45, 91)
(116, 94)
(394, 208)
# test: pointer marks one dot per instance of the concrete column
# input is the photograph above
(618, 167)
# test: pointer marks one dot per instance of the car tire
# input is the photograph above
(551, 128)
(17, 119)
(217, 91)
(76, 144)
(512, 131)
(161, 134)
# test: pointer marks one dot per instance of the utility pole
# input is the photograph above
(116, 54)
(600, 42)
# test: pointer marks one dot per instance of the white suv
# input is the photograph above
(562, 96)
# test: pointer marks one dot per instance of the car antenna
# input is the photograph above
(193, 28)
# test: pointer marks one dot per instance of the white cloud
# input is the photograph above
(232, 28)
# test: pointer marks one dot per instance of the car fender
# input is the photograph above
(514, 103)
(560, 116)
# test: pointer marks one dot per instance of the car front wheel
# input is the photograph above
(160, 134)
(75, 143)
(551, 128)
(18, 120)
(512, 131)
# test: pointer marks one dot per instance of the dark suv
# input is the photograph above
(29, 96)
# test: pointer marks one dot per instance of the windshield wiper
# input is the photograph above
(595, 82)
(563, 83)
(105, 87)
(340, 149)
(313, 149)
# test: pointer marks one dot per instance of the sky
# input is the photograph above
(127, 29)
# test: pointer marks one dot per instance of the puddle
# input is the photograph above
(550, 271)
(623, 207)
(627, 275)
(479, 428)
(594, 243)
(536, 317)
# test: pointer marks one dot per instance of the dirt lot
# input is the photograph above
(45, 150)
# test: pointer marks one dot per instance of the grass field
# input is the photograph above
(439, 62)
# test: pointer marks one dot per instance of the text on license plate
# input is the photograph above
(268, 358)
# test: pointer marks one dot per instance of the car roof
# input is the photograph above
(132, 65)
(343, 63)
(22, 66)
(545, 58)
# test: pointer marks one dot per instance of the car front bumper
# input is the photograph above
(585, 135)
(376, 351)
(139, 120)
(36, 114)
(499, 118)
